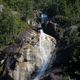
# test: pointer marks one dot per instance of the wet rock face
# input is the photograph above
(50, 29)
(56, 73)
(29, 61)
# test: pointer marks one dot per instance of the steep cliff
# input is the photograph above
(33, 50)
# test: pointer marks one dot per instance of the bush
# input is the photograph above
(10, 26)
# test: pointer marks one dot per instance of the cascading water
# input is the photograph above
(45, 48)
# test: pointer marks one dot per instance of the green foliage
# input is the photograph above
(22, 6)
(73, 40)
(67, 8)
(6, 25)
(10, 26)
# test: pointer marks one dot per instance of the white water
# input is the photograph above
(45, 45)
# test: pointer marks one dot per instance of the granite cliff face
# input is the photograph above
(35, 52)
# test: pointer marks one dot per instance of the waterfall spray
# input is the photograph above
(45, 45)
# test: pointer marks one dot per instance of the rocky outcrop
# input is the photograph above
(50, 29)
(23, 58)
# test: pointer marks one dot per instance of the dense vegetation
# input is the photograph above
(11, 25)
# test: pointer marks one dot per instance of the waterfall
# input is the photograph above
(45, 45)
(36, 54)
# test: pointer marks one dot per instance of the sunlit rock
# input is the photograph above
(36, 51)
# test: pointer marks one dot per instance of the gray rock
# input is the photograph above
(1, 8)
